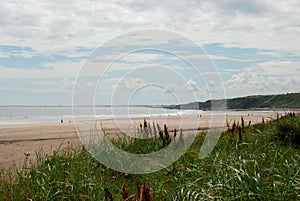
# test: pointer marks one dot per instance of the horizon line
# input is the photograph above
(136, 105)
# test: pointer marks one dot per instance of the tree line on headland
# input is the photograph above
(289, 100)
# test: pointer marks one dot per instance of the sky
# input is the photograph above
(146, 52)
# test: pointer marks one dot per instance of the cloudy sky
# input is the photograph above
(247, 47)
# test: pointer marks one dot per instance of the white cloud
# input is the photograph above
(216, 57)
(270, 53)
(191, 85)
(63, 27)
(134, 57)
(57, 25)
(189, 91)
(265, 78)
(3, 54)
(128, 84)
(144, 57)
(279, 68)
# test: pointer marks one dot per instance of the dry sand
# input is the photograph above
(16, 140)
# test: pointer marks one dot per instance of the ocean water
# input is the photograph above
(10, 115)
(43, 114)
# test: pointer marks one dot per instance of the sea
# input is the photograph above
(10, 115)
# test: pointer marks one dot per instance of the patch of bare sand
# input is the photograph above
(18, 140)
(15, 140)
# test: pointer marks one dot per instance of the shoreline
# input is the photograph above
(69, 118)
(16, 140)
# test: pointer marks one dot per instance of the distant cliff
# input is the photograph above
(289, 100)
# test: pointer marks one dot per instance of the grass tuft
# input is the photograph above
(255, 168)
(288, 130)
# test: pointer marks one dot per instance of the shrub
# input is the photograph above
(288, 130)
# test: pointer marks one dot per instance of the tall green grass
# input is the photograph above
(288, 130)
(258, 167)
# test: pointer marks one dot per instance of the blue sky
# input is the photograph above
(254, 46)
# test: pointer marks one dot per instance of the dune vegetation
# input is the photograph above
(257, 162)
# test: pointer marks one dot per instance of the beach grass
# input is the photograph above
(260, 165)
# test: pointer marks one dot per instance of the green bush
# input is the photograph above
(288, 130)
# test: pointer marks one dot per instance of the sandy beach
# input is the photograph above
(16, 140)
